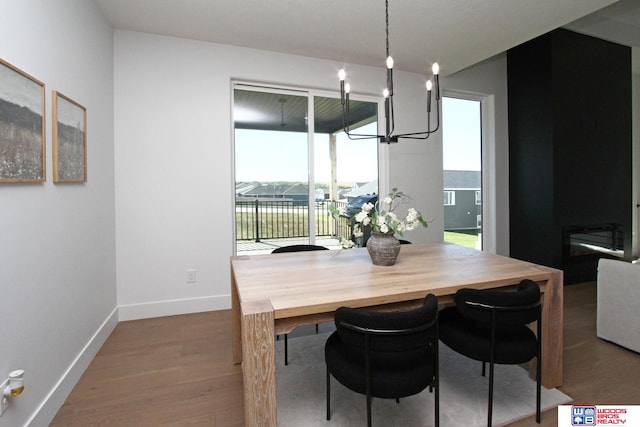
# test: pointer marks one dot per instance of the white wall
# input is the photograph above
(57, 249)
(173, 150)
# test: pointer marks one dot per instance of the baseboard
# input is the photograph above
(173, 307)
(51, 404)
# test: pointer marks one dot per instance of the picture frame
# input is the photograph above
(22, 126)
(69, 140)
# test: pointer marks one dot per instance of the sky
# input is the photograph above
(282, 156)
(461, 135)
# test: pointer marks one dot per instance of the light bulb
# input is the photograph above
(429, 84)
(341, 74)
(347, 88)
(435, 68)
(385, 93)
(389, 62)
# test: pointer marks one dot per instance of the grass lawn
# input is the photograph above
(466, 238)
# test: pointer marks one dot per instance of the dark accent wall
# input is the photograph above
(569, 145)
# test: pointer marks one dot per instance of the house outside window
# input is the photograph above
(462, 200)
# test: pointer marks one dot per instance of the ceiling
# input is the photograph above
(455, 33)
(619, 23)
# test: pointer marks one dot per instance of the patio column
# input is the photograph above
(333, 181)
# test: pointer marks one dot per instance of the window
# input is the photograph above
(462, 170)
(292, 160)
(449, 198)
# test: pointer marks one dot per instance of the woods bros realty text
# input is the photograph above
(598, 415)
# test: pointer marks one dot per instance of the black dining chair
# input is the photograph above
(492, 326)
(296, 248)
(385, 354)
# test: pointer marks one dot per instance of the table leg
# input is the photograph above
(236, 328)
(552, 331)
(258, 364)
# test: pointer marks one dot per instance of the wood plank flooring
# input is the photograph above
(178, 371)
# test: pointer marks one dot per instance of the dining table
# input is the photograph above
(273, 294)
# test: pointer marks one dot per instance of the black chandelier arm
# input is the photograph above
(389, 124)
(346, 121)
(389, 137)
(393, 122)
(429, 131)
(356, 136)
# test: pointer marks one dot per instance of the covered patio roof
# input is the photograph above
(284, 112)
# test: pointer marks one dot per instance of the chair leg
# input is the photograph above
(286, 350)
(436, 403)
(368, 410)
(317, 328)
(490, 410)
(328, 395)
(538, 391)
(484, 369)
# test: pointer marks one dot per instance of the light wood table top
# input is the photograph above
(276, 292)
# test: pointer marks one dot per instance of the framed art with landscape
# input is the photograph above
(22, 129)
(69, 140)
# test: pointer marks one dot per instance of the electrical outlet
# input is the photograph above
(4, 404)
(4, 401)
(191, 276)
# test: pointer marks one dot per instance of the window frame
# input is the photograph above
(383, 150)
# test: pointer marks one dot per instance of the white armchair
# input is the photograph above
(618, 318)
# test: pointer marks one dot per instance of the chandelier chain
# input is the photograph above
(386, 8)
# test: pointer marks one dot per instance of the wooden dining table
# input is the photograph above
(273, 294)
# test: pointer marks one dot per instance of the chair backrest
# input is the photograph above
(298, 248)
(393, 331)
(511, 308)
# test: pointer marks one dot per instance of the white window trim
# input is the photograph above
(488, 134)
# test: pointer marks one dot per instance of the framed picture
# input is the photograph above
(69, 140)
(22, 130)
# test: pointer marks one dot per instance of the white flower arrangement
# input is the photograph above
(346, 243)
(382, 218)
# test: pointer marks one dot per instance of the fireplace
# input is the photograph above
(589, 243)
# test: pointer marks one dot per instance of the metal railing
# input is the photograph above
(280, 219)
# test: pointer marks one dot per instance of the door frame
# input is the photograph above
(488, 162)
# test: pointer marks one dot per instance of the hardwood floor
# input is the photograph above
(595, 371)
(177, 371)
(173, 370)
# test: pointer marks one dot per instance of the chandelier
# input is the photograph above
(389, 137)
